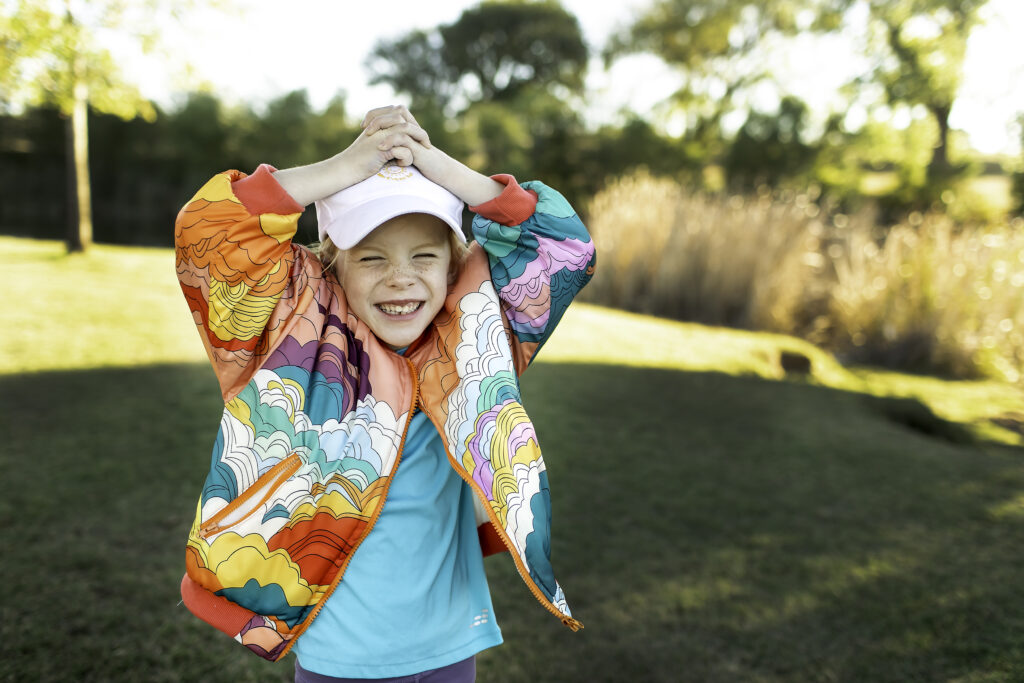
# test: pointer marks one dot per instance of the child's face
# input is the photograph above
(396, 278)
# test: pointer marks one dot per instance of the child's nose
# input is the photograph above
(400, 275)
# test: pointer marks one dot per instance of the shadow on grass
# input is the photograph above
(707, 528)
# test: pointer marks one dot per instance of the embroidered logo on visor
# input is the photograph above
(392, 171)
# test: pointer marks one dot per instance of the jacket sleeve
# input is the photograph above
(540, 256)
(239, 271)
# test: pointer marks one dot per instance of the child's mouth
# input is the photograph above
(399, 310)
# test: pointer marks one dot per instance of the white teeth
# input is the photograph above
(391, 309)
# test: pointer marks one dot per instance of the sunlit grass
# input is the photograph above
(119, 306)
(112, 306)
(714, 518)
(597, 335)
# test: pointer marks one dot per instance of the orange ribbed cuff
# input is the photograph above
(261, 193)
(513, 206)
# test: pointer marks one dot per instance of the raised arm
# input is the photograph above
(238, 269)
(540, 257)
(372, 149)
(235, 262)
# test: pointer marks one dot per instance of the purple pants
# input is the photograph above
(459, 672)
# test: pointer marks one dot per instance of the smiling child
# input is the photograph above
(373, 445)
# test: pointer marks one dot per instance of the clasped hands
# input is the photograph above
(392, 134)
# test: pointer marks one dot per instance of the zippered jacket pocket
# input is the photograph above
(252, 499)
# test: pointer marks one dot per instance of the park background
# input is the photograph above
(797, 378)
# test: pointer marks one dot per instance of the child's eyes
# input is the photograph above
(380, 259)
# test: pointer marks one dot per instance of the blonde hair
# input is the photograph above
(330, 255)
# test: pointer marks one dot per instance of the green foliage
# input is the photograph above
(878, 163)
(520, 111)
(46, 52)
(493, 52)
(506, 46)
(415, 64)
(145, 171)
(283, 134)
(768, 148)
(921, 45)
(916, 48)
(507, 72)
(55, 55)
(613, 151)
(927, 42)
(718, 45)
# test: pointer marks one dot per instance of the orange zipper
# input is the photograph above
(272, 478)
(573, 624)
(373, 520)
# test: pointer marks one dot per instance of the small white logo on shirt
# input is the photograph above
(479, 620)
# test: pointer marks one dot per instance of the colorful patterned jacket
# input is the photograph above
(316, 408)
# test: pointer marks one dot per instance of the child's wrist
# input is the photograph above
(345, 170)
(471, 187)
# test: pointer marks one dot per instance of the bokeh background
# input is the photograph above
(784, 424)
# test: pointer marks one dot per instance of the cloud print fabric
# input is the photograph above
(315, 408)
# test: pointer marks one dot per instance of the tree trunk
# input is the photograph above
(938, 167)
(79, 235)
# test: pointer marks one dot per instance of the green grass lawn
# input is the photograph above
(714, 519)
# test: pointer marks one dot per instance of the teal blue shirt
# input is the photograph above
(414, 596)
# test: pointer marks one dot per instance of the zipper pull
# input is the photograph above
(572, 624)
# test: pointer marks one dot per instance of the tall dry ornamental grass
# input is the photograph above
(924, 295)
(739, 262)
(929, 296)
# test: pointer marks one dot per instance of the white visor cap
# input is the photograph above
(353, 213)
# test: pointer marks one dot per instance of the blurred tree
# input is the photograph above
(332, 130)
(506, 46)
(507, 71)
(415, 64)
(201, 137)
(919, 46)
(54, 52)
(719, 45)
(491, 53)
(283, 135)
(613, 151)
(1018, 176)
(877, 165)
(768, 147)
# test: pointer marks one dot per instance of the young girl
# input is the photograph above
(371, 403)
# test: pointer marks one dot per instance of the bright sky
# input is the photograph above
(321, 45)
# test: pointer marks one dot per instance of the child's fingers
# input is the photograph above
(402, 155)
(386, 120)
(402, 135)
(374, 113)
(407, 115)
(385, 117)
